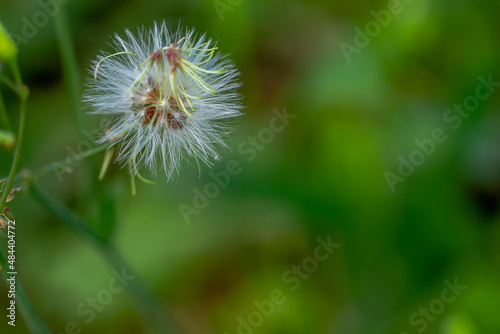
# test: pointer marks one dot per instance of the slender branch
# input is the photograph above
(27, 310)
(16, 72)
(10, 84)
(72, 220)
(33, 321)
(59, 166)
(148, 304)
(20, 135)
(158, 321)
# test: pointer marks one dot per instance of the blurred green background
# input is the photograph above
(323, 176)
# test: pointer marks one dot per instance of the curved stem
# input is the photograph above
(148, 304)
(32, 319)
(20, 136)
(7, 82)
(61, 165)
(68, 217)
(16, 72)
(58, 166)
(158, 321)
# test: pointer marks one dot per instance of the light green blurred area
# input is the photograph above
(322, 176)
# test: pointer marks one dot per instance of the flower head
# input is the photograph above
(167, 96)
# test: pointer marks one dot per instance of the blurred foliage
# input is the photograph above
(323, 175)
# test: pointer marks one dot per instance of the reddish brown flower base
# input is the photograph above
(157, 110)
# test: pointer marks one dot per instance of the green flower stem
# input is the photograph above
(158, 321)
(7, 82)
(33, 321)
(147, 303)
(73, 221)
(70, 67)
(16, 72)
(23, 97)
(57, 166)
(61, 165)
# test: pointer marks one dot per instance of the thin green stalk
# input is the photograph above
(108, 156)
(71, 219)
(20, 135)
(147, 303)
(33, 321)
(10, 84)
(70, 67)
(16, 72)
(4, 117)
(156, 318)
(59, 166)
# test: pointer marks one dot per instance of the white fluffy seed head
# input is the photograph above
(167, 97)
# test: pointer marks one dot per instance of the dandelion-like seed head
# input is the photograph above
(167, 97)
